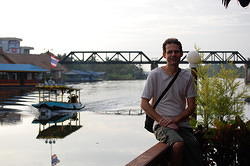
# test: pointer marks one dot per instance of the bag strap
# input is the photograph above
(167, 88)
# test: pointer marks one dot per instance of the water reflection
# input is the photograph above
(9, 116)
(11, 104)
(15, 97)
(50, 130)
(14, 93)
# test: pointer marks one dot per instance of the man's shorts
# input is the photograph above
(192, 151)
(170, 136)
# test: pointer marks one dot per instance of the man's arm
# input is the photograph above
(149, 110)
(191, 106)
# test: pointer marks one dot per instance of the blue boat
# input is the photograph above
(58, 98)
(59, 105)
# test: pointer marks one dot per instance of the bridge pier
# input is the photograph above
(154, 65)
(247, 73)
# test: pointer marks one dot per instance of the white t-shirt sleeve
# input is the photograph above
(191, 87)
(148, 88)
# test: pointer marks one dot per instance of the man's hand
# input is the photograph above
(168, 122)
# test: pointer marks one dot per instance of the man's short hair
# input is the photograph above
(171, 41)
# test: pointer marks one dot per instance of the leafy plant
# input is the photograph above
(223, 136)
(219, 97)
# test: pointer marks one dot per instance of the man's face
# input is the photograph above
(173, 54)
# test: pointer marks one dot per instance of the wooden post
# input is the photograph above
(39, 98)
(247, 73)
(154, 65)
(194, 73)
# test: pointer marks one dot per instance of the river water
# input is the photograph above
(111, 132)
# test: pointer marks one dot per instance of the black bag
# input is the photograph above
(149, 122)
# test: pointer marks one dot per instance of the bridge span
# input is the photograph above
(138, 57)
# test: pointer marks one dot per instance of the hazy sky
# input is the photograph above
(62, 26)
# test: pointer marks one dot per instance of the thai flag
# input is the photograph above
(54, 160)
(53, 61)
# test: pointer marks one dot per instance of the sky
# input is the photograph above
(62, 26)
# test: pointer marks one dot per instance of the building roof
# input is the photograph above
(42, 60)
(27, 47)
(77, 72)
(21, 68)
(10, 38)
(89, 73)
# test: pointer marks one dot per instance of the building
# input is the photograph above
(12, 45)
(43, 61)
(83, 76)
(12, 53)
(20, 75)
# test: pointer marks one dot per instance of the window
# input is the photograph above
(13, 46)
(3, 76)
(29, 76)
(12, 76)
(26, 51)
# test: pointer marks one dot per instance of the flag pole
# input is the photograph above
(51, 154)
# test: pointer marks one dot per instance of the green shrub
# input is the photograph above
(220, 97)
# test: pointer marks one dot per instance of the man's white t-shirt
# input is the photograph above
(174, 101)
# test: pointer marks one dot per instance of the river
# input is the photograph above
(109, 136)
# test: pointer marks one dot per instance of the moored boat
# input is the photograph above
(58, 98)
(52, 105)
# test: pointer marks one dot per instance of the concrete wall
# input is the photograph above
(10, 46)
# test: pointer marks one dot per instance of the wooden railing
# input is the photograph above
(155, 156)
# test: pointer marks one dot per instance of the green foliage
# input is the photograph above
(113, 71)
(219, 97)
(240, 71)
(217, 67)
(223, 136)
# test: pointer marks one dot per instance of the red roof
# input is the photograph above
(42, 60)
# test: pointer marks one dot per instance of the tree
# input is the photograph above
(243, 3)
(217, 67)
(113, 71)
(220, 98)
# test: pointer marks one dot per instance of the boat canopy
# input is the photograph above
(58, 93)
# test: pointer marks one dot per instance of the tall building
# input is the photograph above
(12, 45)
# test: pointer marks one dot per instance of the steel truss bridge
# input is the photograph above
(138, 57)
